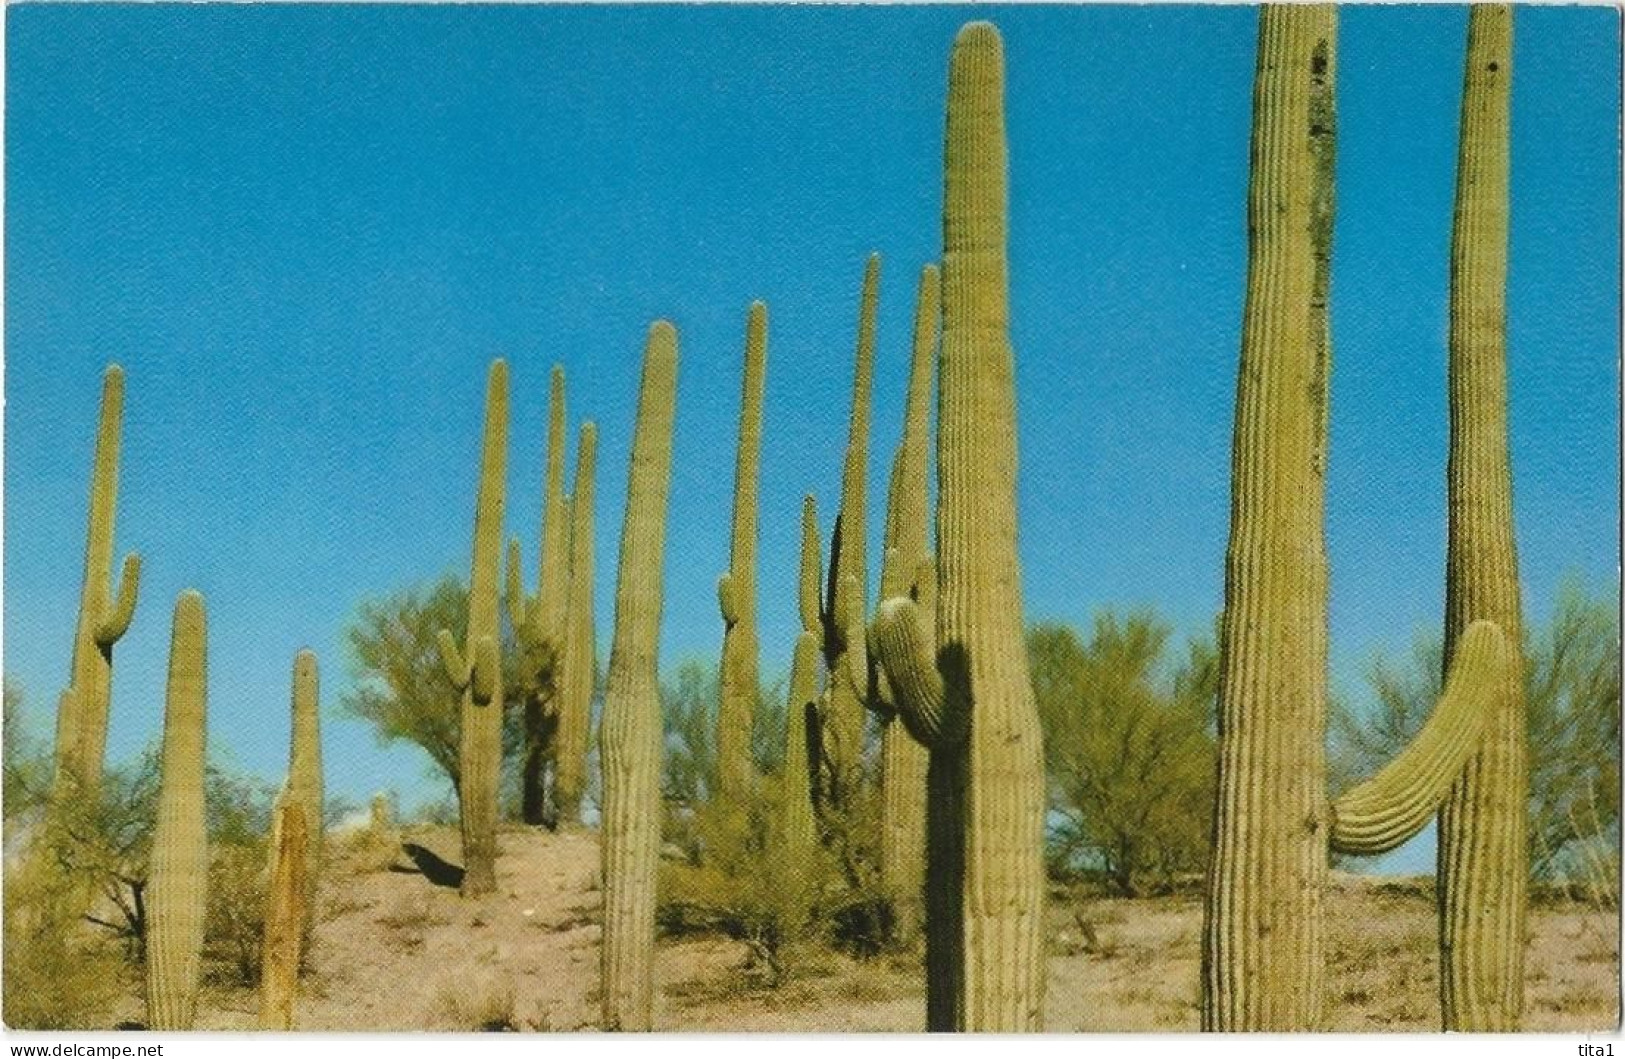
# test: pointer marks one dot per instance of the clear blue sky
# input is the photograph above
(305, 231)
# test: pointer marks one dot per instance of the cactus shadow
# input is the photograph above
(430, 865)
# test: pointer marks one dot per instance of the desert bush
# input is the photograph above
(484, 1006)
(1129, 747)
(60, 973)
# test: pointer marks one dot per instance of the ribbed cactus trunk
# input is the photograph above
(305, 762)
(1483, 852)
(103, 616)
(964, 689)
(797, 824)
(178, 871)
(630, 743)
(580, 657)
(841, 726)
(542, 631)
(476, 671)
(980, 634)
(1263, 932)
(286, 914)
(738, 680)
(903, 760)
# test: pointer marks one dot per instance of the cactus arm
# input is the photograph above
(902, 650)
(1388, 809)
(117, 620)
(727, 600)
(812, 574)
(484, 670)
(517, 607)
(451, 659)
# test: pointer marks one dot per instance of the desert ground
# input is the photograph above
(396, 948)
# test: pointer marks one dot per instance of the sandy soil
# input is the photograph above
(397, 949)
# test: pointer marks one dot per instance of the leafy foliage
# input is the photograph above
(400, 686)
(1129, 748)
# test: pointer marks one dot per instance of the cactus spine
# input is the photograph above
(286, 900)
(1483, 854)
(841, 723)
(476, 671)
(178, 874)
(971, 700)
(103, 614)
(305, 761)
(902, 759)
(631, 737)
(738, 680)
(1262, 966)
(580, 662)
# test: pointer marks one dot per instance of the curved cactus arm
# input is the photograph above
(117, 619)
(727, 599)
(902, 649)
(484, 669)
(457, 668)
(518, 607)
(1388, 809)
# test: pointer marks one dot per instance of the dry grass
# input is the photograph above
(396, 951)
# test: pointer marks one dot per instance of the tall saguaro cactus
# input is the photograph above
(965, 692)
(908, 527)
(841, 726)
(104, 615)
(1262, 964)
(580, 661)
(801, 718)
(539, 623)
(305, 760)
(178, 873)
(476, 670)
(631, 735)
(1483, 853)
(738, 680)
(286, 911)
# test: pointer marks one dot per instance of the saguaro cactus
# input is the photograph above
(902, 758)
(580, 661)
(81, 737)
(476, 671)
(539, 624)
(841, 723)
(630, 743)
(796, 818)
(1262, 965)
(178, 873)
(736, 592)
(1483, 851)
(285, 914)
(305, 760)
(969, 699)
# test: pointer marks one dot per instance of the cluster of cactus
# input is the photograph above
(553, 627)
(1262, 965)
(943, 662)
